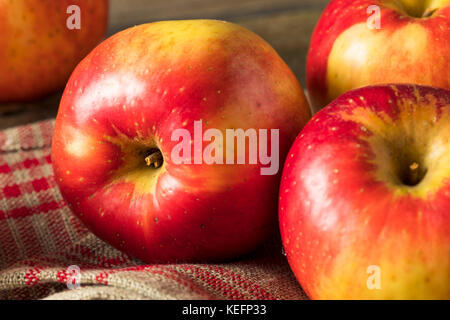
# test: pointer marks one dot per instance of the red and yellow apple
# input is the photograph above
(113, 142)
(364, 204)
(348, 51)
(38, 51)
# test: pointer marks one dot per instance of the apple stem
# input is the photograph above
(428, 13)
(414, 173)
(155, 159)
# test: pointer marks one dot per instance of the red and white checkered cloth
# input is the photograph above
(40, 239)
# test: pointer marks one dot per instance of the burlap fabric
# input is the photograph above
(40, 239)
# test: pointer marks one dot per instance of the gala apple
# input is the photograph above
(365, 196)
(366, 42)
(41, 42)
(119, 149)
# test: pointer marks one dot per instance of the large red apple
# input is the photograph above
(365, 196)
(117, 133)
(367, 42)
(41, 42)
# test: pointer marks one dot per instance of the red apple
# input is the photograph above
(348, 51)
(113, 148)
(40, 43)
(365, 196)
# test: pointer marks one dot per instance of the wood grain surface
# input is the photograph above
(286, 24)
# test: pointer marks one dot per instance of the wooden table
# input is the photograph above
(286, 24)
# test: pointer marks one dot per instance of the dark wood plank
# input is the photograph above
(131, 12)
(15, 114)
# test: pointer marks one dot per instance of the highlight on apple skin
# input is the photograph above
(364, 205)
(358, 43)
(112, 144)
(38, 50)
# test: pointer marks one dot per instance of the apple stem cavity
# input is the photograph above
(154, 159)
(415, 174)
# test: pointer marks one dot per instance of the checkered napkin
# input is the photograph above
(45, 251)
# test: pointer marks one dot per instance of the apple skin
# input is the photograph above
(346, 54)
(346, 203)
(130, 94)
(38, 51)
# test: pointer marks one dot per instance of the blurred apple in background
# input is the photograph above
(365, 196)
(38, 51)
(347, 50)
(113, 143)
